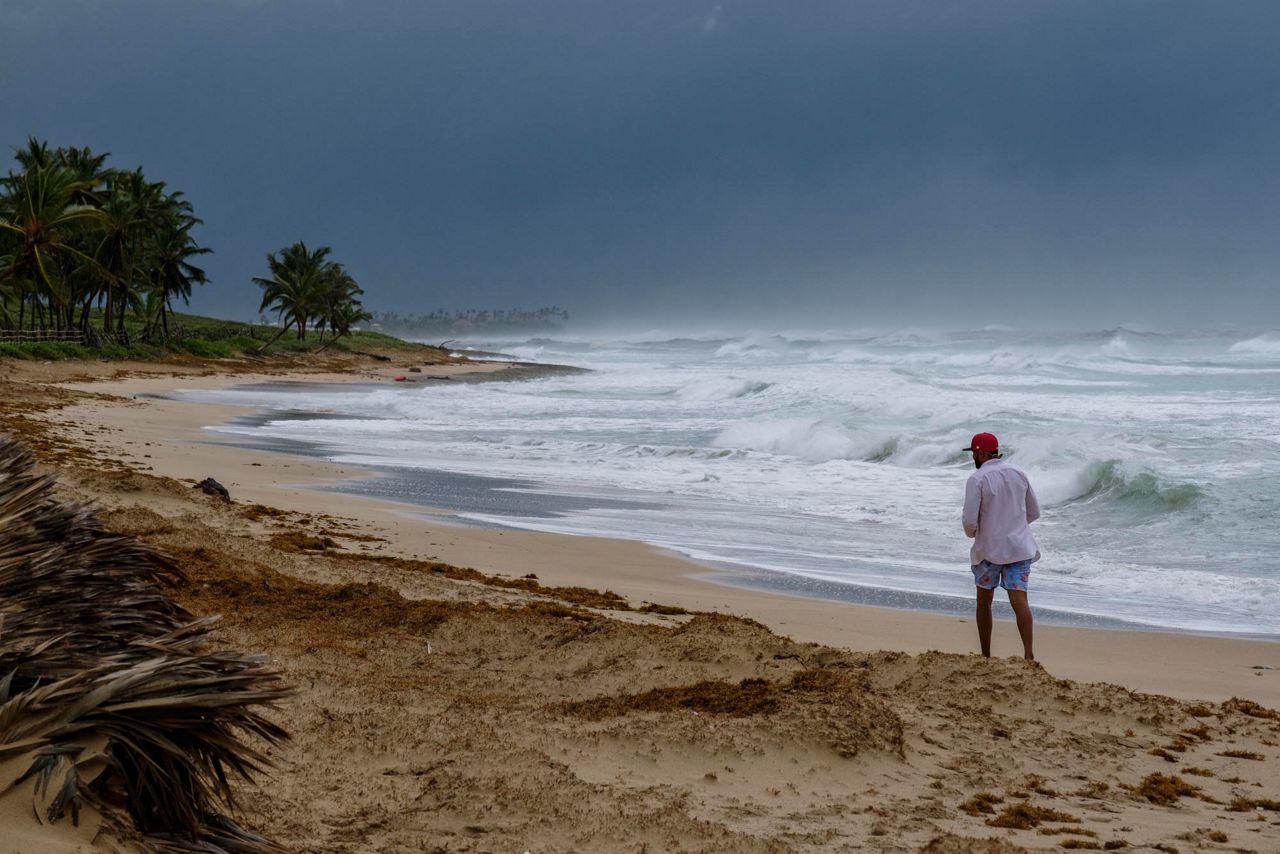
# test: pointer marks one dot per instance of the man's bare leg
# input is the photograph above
(1021, 610)
(984, 618)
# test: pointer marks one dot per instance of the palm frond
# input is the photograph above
(112, 702)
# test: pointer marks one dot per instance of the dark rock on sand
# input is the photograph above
(209, 486)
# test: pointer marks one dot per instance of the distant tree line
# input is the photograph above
(442, 322)
(83, 246)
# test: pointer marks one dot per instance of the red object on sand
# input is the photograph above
(401, 378)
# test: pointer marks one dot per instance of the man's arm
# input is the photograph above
(1033, 504)
(972, 504)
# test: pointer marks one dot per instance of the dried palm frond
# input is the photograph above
(114, 709)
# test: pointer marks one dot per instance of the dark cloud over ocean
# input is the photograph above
(829, 163)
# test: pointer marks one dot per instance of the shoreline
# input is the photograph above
(404, 485)
(723, 572)
(173, 433)
(466, 496)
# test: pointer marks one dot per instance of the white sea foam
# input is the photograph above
(1117, 346)
(1263, 345)
(720, 388)
(809, 439)
(836, 456)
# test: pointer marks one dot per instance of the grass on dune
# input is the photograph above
(206, 337)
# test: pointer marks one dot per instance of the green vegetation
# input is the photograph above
(92, 259)
(208, 337)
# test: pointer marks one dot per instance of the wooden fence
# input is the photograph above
(95, 338)
(32, 336)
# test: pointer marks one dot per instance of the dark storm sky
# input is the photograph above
(824, 163)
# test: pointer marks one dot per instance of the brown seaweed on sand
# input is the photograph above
(1163, 789)
(117, 717)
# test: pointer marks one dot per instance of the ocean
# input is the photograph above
(831, 464)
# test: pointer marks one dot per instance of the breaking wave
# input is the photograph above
(720, 388)
(1141, 489)
(814, 440)
(1263, 345)
(820, 441)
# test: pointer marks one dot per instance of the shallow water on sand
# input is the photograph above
(832, 461)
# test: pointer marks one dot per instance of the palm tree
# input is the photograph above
(124, 222)
(293, 291)
(88, 166)
(306, 287)
(7, 289)
(68, 270)
(36, 155)
(336, 291)
(8, 278)
(346, 311)
(144, 246)
(44, 221)
(348, 316)
(173, 274)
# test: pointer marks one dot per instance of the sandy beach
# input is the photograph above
(471, 688)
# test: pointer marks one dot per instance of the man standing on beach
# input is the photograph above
(999, 507)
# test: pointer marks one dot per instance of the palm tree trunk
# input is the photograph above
(84, 313)
(332, 341)
(283, 330)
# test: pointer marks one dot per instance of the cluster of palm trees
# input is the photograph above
(307, 290)
(82, 242)
(77, 235)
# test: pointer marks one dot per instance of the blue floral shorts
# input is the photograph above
(1010, 576)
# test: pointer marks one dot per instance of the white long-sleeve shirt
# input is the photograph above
(999, 507)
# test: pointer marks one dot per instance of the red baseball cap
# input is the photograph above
(984, 442)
